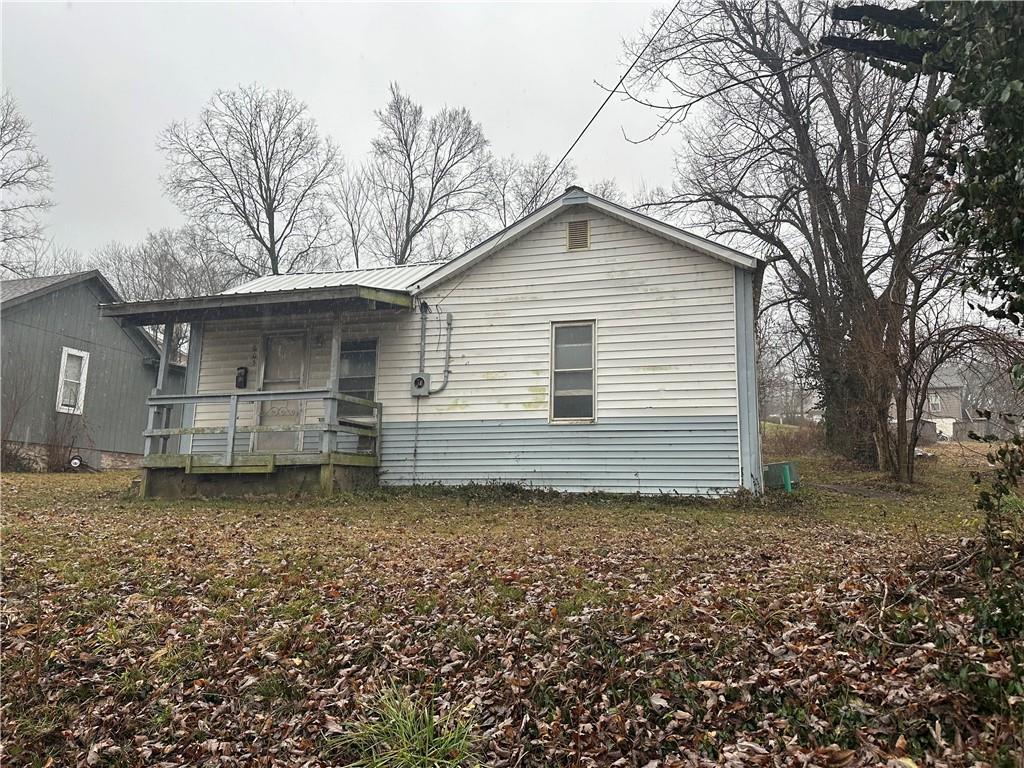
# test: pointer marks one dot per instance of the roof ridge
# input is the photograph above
(57, 276)
(358, 269)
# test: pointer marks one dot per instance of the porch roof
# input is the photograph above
(400, 278)
(351, 298)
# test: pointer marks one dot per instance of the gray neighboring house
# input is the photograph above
(71, 380)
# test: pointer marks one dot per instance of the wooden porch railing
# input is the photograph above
(160, 406)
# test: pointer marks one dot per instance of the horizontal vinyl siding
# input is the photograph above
(666, 334)
(228, 345)
(667, 416)
(692, 456)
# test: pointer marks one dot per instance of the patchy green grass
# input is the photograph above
(564, 630)
(395, 731)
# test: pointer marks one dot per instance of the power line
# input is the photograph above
(590, 122)
(607, 98)
(675, 111)
(79, 339)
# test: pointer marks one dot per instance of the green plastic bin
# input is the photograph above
(781, 475)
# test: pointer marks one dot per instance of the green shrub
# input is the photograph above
(1002, 506)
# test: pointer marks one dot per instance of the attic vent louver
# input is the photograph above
(577, 235)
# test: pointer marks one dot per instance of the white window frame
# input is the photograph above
(593, 368)
(77, 408)
(934, 402)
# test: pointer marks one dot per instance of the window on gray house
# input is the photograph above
(572, 371)
(358, 376)
(74, 368)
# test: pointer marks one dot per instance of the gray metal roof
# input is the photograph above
(387, 278)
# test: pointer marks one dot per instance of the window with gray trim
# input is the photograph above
(572, 371)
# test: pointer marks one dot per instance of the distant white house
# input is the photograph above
(944, 401)
(585, 348)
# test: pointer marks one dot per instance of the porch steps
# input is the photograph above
(242, 465)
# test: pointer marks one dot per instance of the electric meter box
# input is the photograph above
(419, 385)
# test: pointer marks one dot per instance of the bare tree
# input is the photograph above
(805, 160)
(993, 392)
(425, 177)
(430, 189)
(41, 256)
(24, 182)
(610, 190)
(254, 168)
(168, 263)
(516, 188)
(352, 198)
(938, 335)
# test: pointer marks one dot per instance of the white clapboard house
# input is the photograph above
(585, 348)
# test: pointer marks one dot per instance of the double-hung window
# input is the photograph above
(357, 376)
(572, 371)
(74, 367)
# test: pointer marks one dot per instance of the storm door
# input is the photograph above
(358, 378)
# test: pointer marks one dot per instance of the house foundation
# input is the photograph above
(197, 476)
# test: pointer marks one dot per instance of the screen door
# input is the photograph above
(283, 361)
(357, 377)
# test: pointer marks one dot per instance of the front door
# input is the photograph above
(284, 359)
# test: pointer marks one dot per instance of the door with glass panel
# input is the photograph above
(357, 377)
(284, 358)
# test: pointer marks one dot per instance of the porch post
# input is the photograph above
(161, 378)
(165, 356)
(150, 425)
(327, 444)
(229, 449)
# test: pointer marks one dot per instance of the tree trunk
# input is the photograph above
(856, 395)
(905, 441)
(850, 421)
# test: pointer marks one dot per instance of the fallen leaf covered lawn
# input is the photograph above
(826, 629)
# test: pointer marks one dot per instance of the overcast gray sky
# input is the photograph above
(100, 81)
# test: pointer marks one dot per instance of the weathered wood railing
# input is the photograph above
(160, 409)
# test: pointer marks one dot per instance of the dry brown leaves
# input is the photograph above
(570, 632)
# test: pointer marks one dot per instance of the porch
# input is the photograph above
(255, 458)
(302, 415)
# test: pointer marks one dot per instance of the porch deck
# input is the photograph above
(241, 466)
